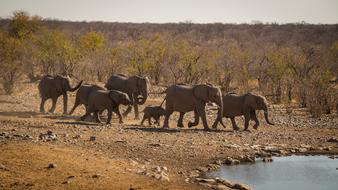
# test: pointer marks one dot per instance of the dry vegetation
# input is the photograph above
(294, 65)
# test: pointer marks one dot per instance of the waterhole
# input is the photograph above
(292, 172)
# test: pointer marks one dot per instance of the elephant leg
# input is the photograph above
(65, 103)
(149, 121)
(76, 104)
(42, 104)
(166, 119)
(197, 120)
(180, 120)
(234, 125)
(96, 116)
(109, 115)
(117, 111)
(85, 115)
(246, 121)
(144, 118)
(136, 112)
(54, 100)
(201, 113)
(254, 117)
(127, 111)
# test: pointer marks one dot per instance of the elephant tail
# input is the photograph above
(163, 102)
(76, 87)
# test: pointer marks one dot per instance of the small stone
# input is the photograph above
(332, 139)
(3, 167)
(328, 148)
(77, 136)
(51, 166)
(165, 168)
(222, 187)
(202, 169)
(206, 180)
(241, 186)
(267, 159)
(96, 176)
(92, 138)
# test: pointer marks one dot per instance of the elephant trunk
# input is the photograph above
(142, 100)
(266, 115)
(76, 87)
(219, 102)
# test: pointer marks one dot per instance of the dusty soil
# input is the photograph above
(130, 156)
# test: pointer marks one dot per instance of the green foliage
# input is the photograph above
(10, 61)
(92, 42)
(58, 55)
(23, 26)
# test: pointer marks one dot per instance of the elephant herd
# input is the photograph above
(133, 91)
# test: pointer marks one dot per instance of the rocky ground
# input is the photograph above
(54, 151)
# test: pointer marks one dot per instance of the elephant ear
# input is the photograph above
(114, 96)
(132, 83)
(201, 92)
(58, 82)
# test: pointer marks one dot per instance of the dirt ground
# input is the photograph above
(86, 155)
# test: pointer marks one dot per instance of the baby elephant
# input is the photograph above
(103, 99)
(153, 112)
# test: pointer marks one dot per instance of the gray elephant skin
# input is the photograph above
(82, 95)
(134, 86)
(103, 99)
(154, 112)
(185, 98)
(52, 87)
(237, 105)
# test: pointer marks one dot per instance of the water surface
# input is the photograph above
(292, 172)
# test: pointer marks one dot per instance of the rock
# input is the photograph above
(332, 139)
(164, 168)
(331, 157)
(92, 138)
(231, 161)
(221, 187)
(302, 150)
(328, 148)
(241, 186)
(3, 167)
(96, 176)
(202, 169)
(77, 136)
(4, 134)
(206, 180)
(267, 159)
(224, 182)
(51, 166)
(48, 136)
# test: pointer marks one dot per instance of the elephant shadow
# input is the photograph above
(77, 123)
(173, 130)
(20, 114)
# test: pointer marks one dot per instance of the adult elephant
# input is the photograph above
(51, 87)
(237, 105)
(82, 95)
(134, 86)
(185, 98)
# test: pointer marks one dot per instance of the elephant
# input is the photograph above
(154, 112)
(103, 99)
(51, 87)
(82, 95)
(237, 105)
(134, 86)
(184, 98)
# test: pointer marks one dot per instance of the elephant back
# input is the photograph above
(116, 82)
